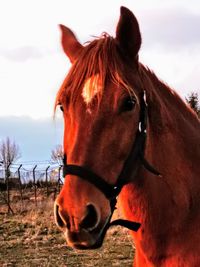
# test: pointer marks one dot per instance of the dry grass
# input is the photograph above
(32, 239)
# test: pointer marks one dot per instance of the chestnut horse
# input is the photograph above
(122, 127)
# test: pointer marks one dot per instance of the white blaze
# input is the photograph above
(91, 88)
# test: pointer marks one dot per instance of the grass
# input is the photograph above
(31, 238)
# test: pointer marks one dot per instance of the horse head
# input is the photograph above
(101, 103)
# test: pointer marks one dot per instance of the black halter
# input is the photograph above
(129, 171)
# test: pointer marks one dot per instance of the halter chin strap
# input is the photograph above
(127, 175)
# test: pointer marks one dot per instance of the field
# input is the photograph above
(30, 238)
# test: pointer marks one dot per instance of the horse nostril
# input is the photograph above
(59, 219)
(91, 219)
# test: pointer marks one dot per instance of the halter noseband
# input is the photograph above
(127, 174)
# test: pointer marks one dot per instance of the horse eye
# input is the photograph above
(128, 104)
(61, 108)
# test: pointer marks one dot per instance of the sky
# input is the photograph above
(33, 65)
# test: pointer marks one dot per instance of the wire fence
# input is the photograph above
(28, 182)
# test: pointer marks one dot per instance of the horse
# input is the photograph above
(127, 133)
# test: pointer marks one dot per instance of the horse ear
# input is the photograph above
(70, 44)
(128, 35)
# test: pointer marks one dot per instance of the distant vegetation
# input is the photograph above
(193, 101)
(9, 154)
(57, 155)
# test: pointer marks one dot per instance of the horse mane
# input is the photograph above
(164, 103)
(100, 56)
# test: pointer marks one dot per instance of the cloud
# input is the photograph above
(23, 53)
(30, 87)
(171, 28)
(36, 138)
(171, 46)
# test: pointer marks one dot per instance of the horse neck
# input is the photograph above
(175, 153)
(173, 149)
(173, 131)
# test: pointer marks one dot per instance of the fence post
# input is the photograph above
(7, 173)
(59, 179)
(46, 172)
(20, 183)
(35, 193)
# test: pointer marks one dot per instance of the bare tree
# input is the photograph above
(9, 152)
(57, 155)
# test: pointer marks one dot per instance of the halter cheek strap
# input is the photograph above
(135, 159)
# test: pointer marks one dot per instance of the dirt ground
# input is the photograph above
(32, 239)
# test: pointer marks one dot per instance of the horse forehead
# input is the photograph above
(91, 88)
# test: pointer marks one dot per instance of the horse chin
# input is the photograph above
(86, 240)
(92, 242)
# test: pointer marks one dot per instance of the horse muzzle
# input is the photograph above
(89, 233)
